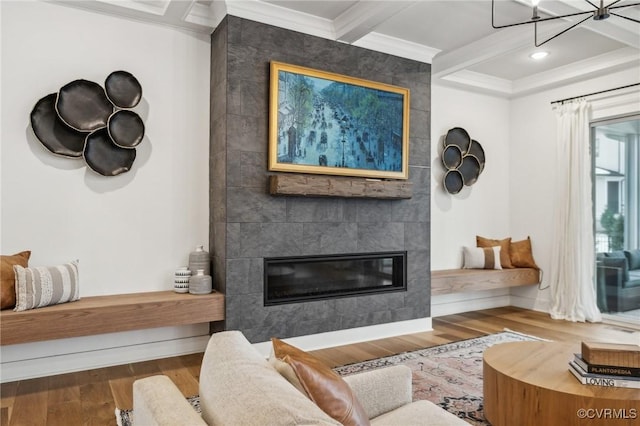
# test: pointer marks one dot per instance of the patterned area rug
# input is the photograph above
(448, 375)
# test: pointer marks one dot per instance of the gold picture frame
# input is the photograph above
(326, 123)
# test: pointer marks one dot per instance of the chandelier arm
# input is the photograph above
(621, 6)
(625, 17)
(559, 34)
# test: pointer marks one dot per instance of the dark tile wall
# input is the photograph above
(248, 224)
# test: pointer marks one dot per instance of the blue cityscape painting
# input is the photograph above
(332, 124)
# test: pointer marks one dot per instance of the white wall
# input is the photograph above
(131, 231)
(534, 169)
(514, 196)
(480, 209)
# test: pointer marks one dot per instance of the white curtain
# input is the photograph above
(572, 287)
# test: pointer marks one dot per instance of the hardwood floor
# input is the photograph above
(90, 397)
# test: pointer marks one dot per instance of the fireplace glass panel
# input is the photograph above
(293, 279)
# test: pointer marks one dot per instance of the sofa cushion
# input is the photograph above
(505, 248)
(633, 256)
(383, 389)
(287, 372)
(324, 386)
(620, 264)
(418, 413)
(619, 254)
(239, 387)
(8, 277)
(634, 279)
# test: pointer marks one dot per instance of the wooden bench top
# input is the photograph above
(448, 281)
(109, 314)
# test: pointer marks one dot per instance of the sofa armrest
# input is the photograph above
(382, 390)
(613, 275)
(158, 402)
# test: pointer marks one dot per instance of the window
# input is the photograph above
(616, 194)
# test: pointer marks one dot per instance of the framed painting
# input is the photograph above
(326, 123)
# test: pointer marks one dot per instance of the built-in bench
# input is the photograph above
(109, 314)
(460, 280)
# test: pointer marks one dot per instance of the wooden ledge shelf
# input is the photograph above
(460, 280)
(325, 186)
(109, 314)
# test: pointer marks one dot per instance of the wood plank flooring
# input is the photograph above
(90, 397)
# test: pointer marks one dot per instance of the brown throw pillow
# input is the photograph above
(323, 386)
(521, 254)
(505, 245)
(8, 277)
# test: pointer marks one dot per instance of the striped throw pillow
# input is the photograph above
(482, 257)
(43, 286)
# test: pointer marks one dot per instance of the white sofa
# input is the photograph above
(239, 387)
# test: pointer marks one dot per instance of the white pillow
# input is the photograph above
(481, 257)
(44, 286)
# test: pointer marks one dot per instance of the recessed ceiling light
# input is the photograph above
(539, 55)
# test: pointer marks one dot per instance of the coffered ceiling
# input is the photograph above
(455, 36)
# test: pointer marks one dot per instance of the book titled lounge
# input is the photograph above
(606, 369)
(602, 380)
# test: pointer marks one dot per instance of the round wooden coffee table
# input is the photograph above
(529, 383)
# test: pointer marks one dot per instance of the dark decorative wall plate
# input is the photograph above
(453, 181)
(458, 137)
(52, 132)
(123, 89)
(126, 128)
(104, 157)
(452, 157)
(470, 170)
(83, 105)
(83, 120)
(463, 158)
(477, 151)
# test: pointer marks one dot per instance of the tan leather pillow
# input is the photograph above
(8, 277)
(521, 254)
(323, 386)
(505, 245)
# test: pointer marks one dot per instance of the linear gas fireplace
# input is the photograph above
(293, 279)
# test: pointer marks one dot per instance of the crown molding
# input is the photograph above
(397, 47)
(282, 17)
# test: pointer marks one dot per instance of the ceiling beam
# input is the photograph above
(498, 43)
(363, 17)
(177, 11)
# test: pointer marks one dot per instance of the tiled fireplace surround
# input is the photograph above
(247, 224)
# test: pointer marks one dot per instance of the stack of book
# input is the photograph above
(607, 364)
